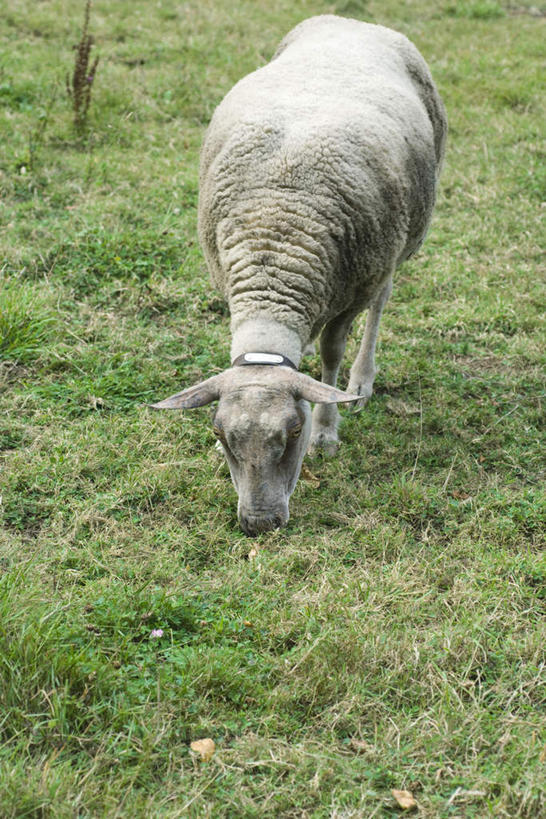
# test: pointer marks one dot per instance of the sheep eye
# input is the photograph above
(218, 432)
(295, 432)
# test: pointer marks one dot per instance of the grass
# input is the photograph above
(24, 322)
(392, 638)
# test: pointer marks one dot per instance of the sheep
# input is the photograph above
(318, 178)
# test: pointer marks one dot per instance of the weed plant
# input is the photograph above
(79, 87)
(393, 635)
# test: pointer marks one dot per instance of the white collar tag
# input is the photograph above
(263, 358)
(273, 359)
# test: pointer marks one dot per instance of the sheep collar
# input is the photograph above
(272, 359)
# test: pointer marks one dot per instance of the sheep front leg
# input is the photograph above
(325, 421)
(363, 371)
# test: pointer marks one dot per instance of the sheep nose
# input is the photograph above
(255, 524)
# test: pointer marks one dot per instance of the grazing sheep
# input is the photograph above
(318, 178)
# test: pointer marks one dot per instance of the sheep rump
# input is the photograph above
(318, 174)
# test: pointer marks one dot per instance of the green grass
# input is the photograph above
(24, 322)
(393, 635)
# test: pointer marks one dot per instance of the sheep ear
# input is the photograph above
(192, 397)
(311, 390)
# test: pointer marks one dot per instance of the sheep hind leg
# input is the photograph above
(324, 436)
(363, 371)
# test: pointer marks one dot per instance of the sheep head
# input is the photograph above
(263, 422)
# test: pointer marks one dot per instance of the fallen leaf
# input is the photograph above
(95, 401)
(204, 747)
(308, 477)
(458, 494)
(360, 746)
(399, 407)
(253, 553)
(405, 799)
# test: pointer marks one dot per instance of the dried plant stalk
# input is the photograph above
(79, 88)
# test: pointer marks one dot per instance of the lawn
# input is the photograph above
(393, 635)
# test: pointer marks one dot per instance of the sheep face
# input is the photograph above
(263, 421)
(264, 433)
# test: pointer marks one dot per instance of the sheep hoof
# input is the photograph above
(323, 443)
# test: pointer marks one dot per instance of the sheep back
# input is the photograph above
(318, 173)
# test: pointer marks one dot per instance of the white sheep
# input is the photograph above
(318, 178)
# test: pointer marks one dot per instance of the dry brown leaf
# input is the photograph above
(204, 747)
(399, 407)
(405, 799)
(95, 401)
(360, 746)
(253, 553)
(308, 477)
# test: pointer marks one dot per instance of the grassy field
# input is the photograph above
(393, 636)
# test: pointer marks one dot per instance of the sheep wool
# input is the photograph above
(318, 174)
